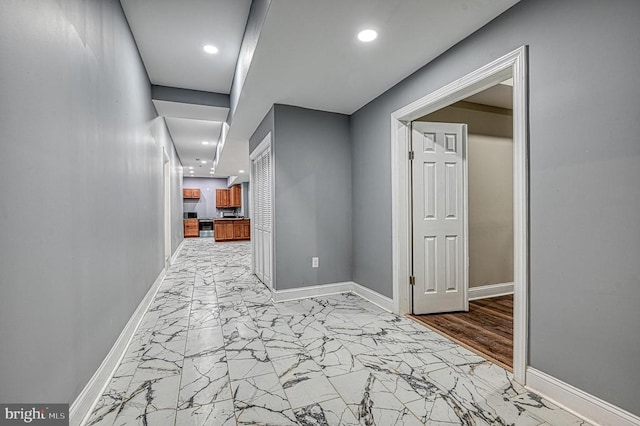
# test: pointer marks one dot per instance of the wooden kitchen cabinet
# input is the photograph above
(232, 230)
(222, 198)
(235, 198)
(223, 230)
(191, 228)
(191, 193)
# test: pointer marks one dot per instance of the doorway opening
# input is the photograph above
(512, 65)
(481, 315)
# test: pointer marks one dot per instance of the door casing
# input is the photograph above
(513, 64)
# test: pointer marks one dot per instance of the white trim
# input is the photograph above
(374, 297)
(490, 290)
(369, 295)
(512, 64)
(311, 291)
(578, 402)
(177, 252)
(85, 403)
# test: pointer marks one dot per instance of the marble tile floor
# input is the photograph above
(213, 349)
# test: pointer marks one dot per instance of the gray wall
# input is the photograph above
(266, 125)
(206, 205)
(584, 122)
(312, 202)
(81, 182)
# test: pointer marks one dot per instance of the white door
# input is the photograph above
(262, 212)
(439, 217)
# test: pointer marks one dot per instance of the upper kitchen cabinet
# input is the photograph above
(191, 193)
(222, 198)
(235, 200)
(229, 197)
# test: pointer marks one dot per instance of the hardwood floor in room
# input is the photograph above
(487, 328)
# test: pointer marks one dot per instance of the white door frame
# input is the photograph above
(260, 149)
(166, 177)
(513, 64)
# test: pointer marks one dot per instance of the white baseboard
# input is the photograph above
(491, 290)
(84, 404)
(177, 252)
(374, 297)
(311, 291)
(578, 402)
(335, 288)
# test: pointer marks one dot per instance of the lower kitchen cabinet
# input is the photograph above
(191, 228)
(232, 230)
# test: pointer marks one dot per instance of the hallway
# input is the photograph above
(214, 350)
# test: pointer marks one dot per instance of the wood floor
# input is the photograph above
(486, 329)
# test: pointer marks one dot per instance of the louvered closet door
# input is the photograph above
(267, 219)
(257, 244)
(262, 217)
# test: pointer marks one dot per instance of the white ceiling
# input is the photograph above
(188, 135)
(500, 95)
(170, 35)
(307, 55)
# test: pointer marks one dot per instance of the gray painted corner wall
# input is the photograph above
(312, 199)
(81, 168)
(266, 125)
(584, 164)
(205, 206)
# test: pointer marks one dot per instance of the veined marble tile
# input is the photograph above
(303, 381)
(204, 380)
(155, 418)
(204, 318)
(306, 327)
(471, 401)
(109, 403)
(142, 399)
(247, 358)
(220, 413)
(160, 360)
(370, 402)
(168, 331)
(261, 400)
(242, 328)
(332, 356)
(400, 374)
(213, 338)
(332, 412)
(281, 345)
(204, 341)
(545, 410)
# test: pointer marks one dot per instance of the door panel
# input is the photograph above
(439, 222)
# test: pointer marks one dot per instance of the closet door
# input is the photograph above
(262, 180)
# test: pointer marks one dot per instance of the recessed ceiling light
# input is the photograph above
(241, 171)
(210, 49)
(367, 35)
(191, 167)
(204, 161)
(205, 143)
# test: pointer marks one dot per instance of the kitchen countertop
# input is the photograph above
(232, 218)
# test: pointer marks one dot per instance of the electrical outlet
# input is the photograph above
(314, 262)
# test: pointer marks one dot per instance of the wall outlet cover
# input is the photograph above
(315, 262)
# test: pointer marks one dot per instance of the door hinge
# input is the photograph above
(412, 280)
(411, 155)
